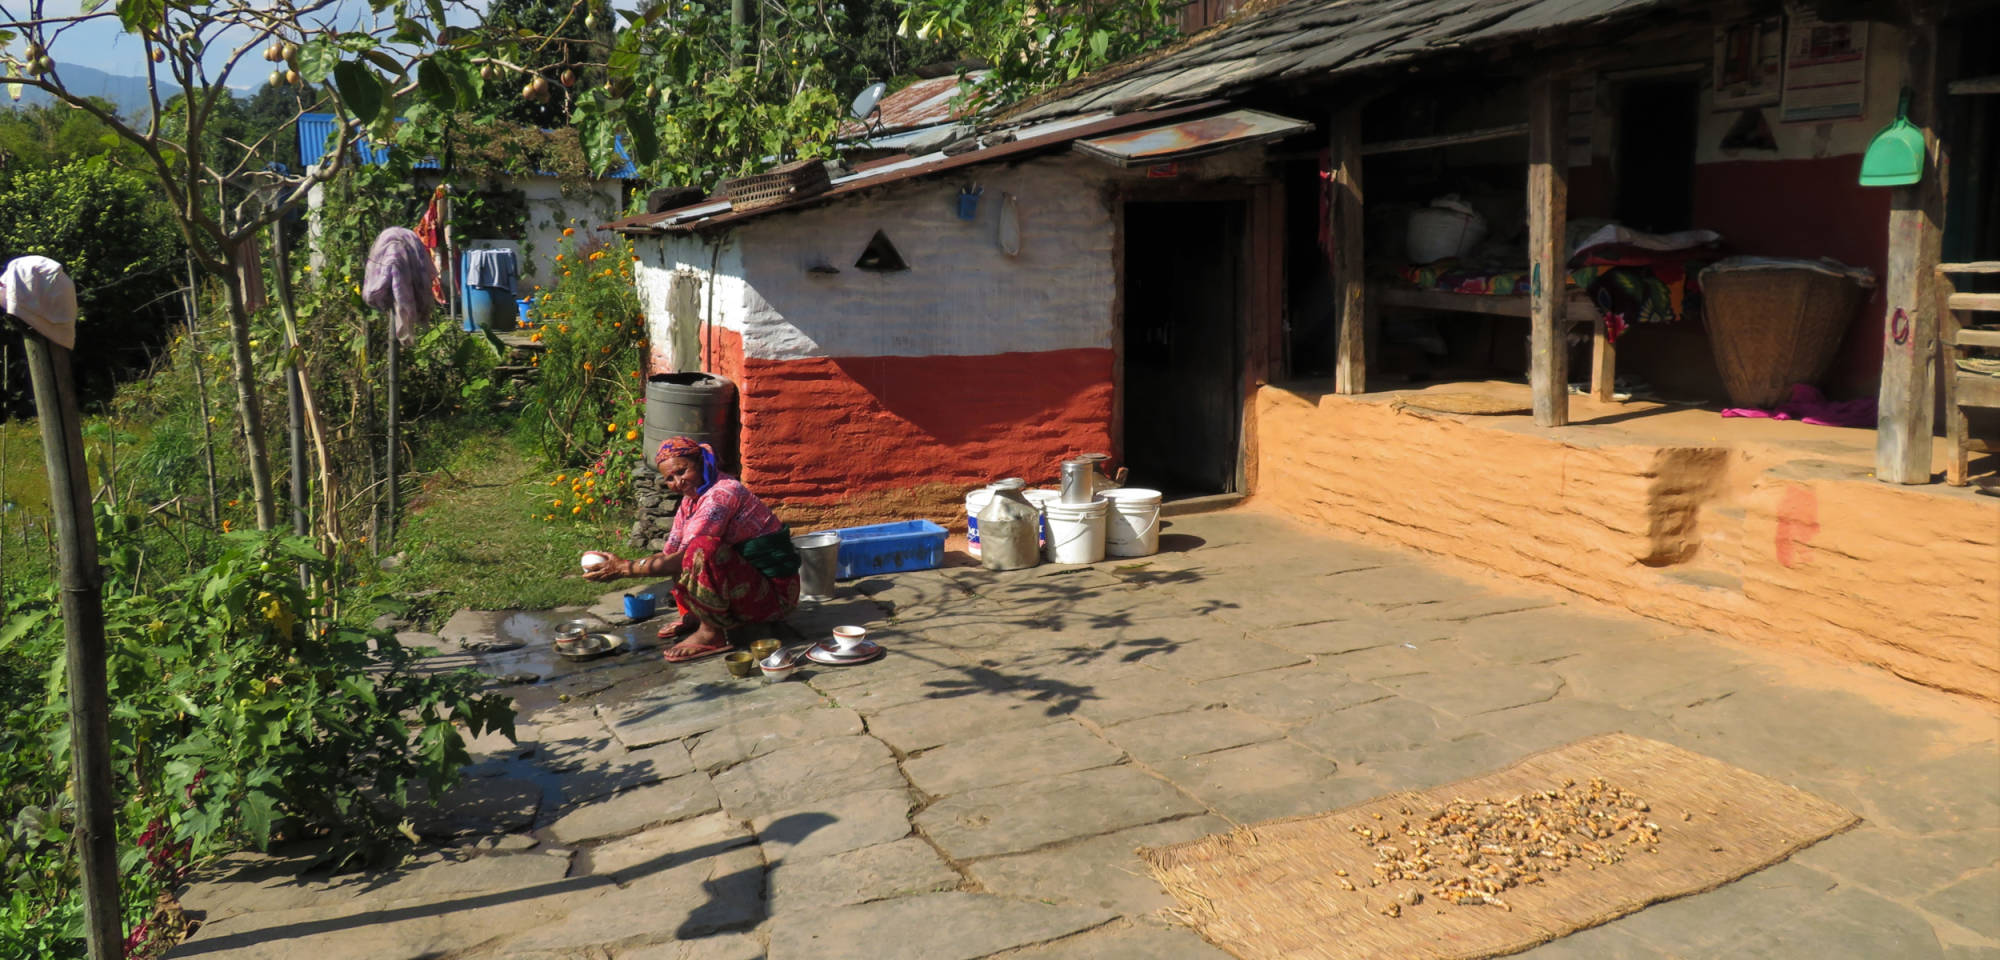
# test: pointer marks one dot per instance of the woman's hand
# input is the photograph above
(612, 568)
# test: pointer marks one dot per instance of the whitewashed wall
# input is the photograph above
(961, 295)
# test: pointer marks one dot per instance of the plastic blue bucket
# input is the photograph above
(639, 606)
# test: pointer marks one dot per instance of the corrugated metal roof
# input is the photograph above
(1191, 138)
(316, 130)
(925, 103)
(1027, 140)
(1316, 38)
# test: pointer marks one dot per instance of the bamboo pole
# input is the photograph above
(394, 429)
(295, 427)
(83, 635)
(201, 393)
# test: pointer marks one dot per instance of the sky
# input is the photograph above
(102, 42)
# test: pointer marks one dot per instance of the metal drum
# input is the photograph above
(701, 406)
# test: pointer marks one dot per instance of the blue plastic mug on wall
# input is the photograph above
(639, 606)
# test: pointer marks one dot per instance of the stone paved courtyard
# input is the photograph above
(979, 792)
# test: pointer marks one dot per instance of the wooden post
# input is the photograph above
(83, 635)
(395, 432)
(201, 395)
(1350, 371)
(1603, 361)
(295, 405)
(1548, 206)
(1904, 418)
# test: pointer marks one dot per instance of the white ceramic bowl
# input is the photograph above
(775, 674)
(848, 638)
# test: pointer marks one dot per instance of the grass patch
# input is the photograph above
(471, 536)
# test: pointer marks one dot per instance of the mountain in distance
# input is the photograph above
(129, 93)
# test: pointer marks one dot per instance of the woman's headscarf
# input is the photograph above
(676, 447)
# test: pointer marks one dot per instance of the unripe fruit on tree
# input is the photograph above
(277, 78)
(45, 64)
(590, 21)
(159, 55)
(292, 77)
(569, 78)
(34, 52)
(291, 52)
(528, 90)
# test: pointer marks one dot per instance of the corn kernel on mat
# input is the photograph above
(1329, 885)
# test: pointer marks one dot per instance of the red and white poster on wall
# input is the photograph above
(1749, 63)
(1826, 69)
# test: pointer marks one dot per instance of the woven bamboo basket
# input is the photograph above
(798, 179)
(1774, 327)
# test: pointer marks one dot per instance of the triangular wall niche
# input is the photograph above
(881, 256)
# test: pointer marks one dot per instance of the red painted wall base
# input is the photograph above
(821, 432)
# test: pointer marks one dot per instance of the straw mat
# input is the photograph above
(1477, 404)
(1271, 890)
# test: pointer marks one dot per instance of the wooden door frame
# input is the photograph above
(1259, 308)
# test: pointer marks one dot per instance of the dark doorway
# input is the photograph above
(1656, 140)
(1182, 401)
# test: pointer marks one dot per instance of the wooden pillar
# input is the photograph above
(83, 634)
(1603, 361)
(1548, 207)
(1350, 297)
(1906, 405)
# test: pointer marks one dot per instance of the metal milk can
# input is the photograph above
(1008, 528)
(1083, 478)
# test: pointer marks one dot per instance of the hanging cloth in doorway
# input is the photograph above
(430, 230)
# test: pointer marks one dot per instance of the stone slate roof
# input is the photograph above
(1303, 39)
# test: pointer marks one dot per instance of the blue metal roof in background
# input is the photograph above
(316, 129)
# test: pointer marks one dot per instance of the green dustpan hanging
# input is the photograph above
(1895, 158)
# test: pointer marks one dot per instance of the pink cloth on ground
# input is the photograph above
(1808, 405)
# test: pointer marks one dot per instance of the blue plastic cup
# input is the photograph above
(639, 606)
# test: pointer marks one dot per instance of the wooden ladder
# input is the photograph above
(1963, 388)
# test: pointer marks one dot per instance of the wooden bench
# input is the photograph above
(1963, 388)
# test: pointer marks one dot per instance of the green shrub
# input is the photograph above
(244, 709)
(588, 391)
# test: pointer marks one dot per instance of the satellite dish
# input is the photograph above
(866, 100)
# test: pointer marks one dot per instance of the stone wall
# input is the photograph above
(1753, 544)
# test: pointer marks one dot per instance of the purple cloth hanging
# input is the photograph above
(398, 281)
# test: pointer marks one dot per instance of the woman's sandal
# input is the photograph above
(698, 653)
(675, 631)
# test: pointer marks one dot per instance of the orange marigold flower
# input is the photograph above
(569, 231)
(632, 434)
(576, 509)
(226, 525)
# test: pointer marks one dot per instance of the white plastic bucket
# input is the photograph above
(975, 502)
(1041, 498)
(1132, 527)
(1076, 530)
